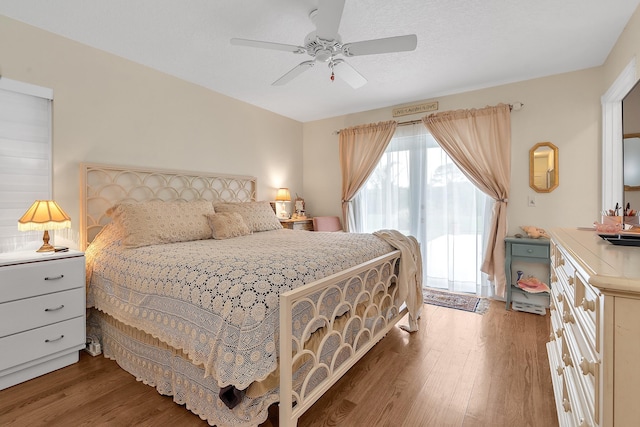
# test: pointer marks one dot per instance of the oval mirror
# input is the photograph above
(543, 167)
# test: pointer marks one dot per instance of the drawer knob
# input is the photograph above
(560, 297)
(54, 278)
(530, 250)
(583, 423)
(567, 360)
(571, 280)
(55, 309)
(561, 261)
(566, 405)
(568, 317)
(560, 369)
(587, 367)
(559, 333)
(55, 339)
(588, 305)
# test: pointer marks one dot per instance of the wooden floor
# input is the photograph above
(460, 369)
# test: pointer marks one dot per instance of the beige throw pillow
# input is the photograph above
(259, 216)
(157, 222)
(225, 225)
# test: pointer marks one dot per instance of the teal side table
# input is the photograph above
(531, 251)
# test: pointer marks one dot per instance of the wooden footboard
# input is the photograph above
(356, 308)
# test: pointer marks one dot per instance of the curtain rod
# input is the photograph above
(516, 106)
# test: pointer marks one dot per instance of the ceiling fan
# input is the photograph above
(325, 44)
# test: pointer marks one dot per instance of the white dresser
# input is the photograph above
(594, 346)
(42, 313)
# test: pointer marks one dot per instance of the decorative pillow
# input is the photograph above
(258, 216)
(225, 225)
(156, 222)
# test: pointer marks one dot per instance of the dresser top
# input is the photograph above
(610, 268)
(25, 257)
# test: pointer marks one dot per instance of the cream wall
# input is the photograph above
(626, 48)
(563, 109)
(110, 110)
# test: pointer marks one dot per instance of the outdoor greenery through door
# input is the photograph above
(418, 190)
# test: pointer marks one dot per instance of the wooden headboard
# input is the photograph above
(102, 186)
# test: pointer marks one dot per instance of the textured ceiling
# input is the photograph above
(462, 45)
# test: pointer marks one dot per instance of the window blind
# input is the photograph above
(25, 159)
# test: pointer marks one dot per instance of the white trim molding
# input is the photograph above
(26, 88)
(612, 185)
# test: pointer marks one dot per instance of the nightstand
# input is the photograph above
(531, 255)
(298, 224)
(42, 313)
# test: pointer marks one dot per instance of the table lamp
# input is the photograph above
(283, 196)
(44, 215)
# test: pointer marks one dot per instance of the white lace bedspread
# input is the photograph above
(217, 300)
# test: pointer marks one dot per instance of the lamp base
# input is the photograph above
(46, 247)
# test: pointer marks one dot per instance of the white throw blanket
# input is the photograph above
(410, 274)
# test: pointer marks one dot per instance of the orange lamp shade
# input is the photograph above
(44, 215)
(283, 195)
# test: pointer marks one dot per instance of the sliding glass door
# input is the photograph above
(417, 190)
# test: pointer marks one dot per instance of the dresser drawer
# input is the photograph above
(564, 394)
(31, 313)
(585, 368)
(534, 251)
(574, 400)
(565, 282)
(31, 345)
(38, 278)
(556, 310)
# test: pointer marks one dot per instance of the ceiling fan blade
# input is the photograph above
(268, 45)
(387, 45)
(294, 72)
(328, 18)
(349, 74)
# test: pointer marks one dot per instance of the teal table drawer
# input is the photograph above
(533, 251)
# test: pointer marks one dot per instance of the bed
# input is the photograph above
(230, 324)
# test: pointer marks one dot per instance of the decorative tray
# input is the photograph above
(622, 239)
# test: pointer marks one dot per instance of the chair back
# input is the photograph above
(326, 223)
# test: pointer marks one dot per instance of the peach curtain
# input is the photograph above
(361, 148)
(479, 143)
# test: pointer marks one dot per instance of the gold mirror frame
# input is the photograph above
(543, 178)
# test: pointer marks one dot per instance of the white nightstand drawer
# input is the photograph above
(39, 278)
(31, 345)
(30, 313)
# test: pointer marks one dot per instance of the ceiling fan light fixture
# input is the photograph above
(323, 55)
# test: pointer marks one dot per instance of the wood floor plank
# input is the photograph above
(459, 369)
